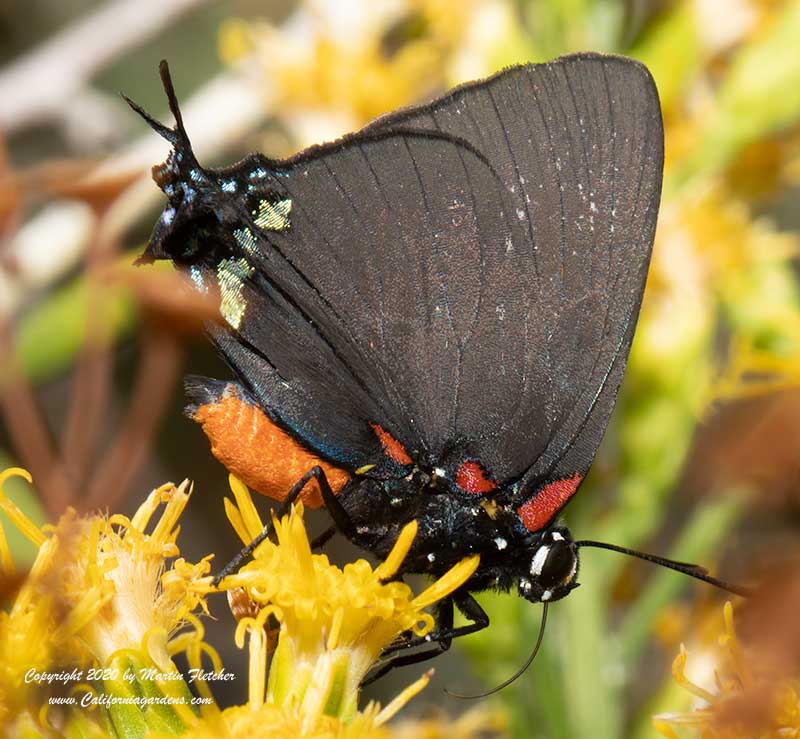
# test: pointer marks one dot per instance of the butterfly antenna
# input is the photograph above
(157, 126)
(695, 571)
(176, 136)
(166, 81)
(519, 672)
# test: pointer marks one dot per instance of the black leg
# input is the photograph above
(323, 538)
(341, 518)
(444, 635)
(338, 513)
(444, 617)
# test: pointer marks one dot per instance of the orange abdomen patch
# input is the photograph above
(260, 453)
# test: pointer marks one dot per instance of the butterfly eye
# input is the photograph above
(559, 566)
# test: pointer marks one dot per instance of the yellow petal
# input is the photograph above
(392, 563)
(451, 581)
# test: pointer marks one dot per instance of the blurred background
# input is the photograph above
(702, 458)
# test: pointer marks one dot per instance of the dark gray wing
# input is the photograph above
(465, 274)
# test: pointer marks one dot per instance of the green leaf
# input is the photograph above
(50, 336)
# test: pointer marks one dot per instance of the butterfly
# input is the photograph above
(430, 318)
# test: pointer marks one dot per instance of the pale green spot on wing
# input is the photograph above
(246, 240)
(231, 275)
(273, 216)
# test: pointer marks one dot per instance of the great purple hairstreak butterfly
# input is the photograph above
(431, 317)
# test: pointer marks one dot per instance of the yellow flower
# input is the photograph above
(278, 722)
(745, 702)
(100, 595)
(334, 623)
(97, 596)
(147, 605)
(334, 66)
(712, 259)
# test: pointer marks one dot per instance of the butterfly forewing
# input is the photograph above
(467, 275)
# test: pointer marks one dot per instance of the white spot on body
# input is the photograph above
(431, 557)
(500, 543)
(546, 595)
(167, 216)
(228, 186)
(538, 560)
(556, 536)
(521, 214)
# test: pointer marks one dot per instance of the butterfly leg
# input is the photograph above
(316, 473)
(341, 518)
(444, 635)
(321, 540)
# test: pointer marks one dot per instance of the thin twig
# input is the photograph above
(29, 433)
(162, 358)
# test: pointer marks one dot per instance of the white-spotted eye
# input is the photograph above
(538, 560)
(559, 566)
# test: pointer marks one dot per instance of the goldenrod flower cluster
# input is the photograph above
(87, 646)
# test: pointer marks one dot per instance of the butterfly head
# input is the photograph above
(553, 567)
(190, 223)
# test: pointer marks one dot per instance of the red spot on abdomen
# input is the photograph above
(538, 511)
(391, 446)
(472, 478)
(259, 452)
